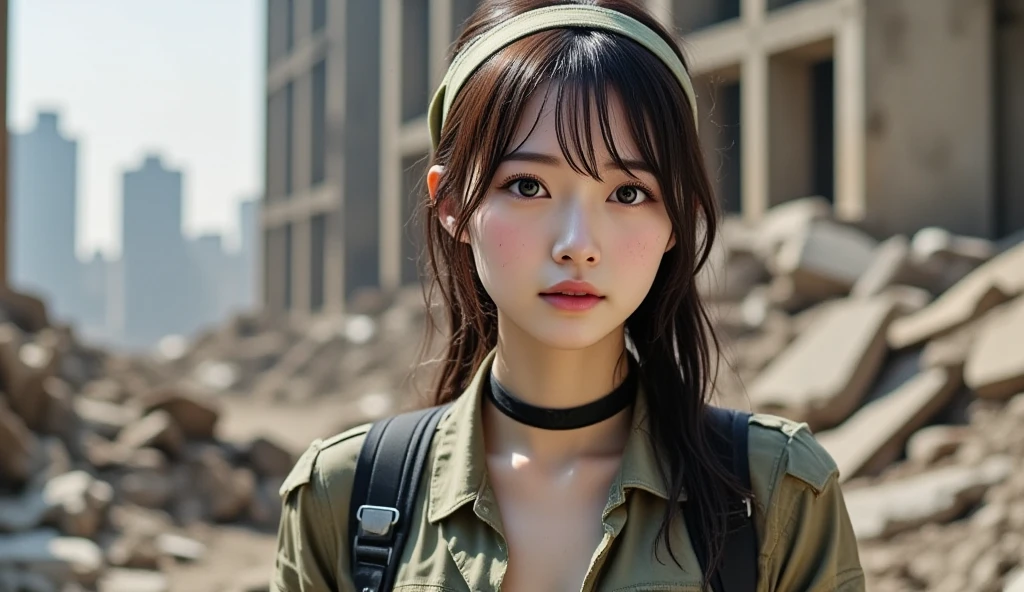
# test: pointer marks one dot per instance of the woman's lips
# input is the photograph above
(572, 303)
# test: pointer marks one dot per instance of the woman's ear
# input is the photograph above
(445, 211)
(671, 242)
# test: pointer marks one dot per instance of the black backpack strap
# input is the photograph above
(738, 570)
(387, 476)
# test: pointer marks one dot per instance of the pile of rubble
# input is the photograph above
(106, 463)
(368, 351)
(904, 356)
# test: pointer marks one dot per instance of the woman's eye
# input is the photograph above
(630, 195)
(526, 187)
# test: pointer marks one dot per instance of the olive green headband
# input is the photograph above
(541, 19)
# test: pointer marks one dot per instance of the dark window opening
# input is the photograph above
(691, 15)
(319, 15)
(287, 287)
(318, 229)
(319, 120)
(823, 125)
(415, 58)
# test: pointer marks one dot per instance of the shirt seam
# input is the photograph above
(774, 534)
(325, 498)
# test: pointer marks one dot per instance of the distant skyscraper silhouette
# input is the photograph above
(44, 191)
(160, 294)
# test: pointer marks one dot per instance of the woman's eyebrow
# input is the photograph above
(550, 160)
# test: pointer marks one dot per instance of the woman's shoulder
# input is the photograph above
(327, 463)
(808, 541)
(779, 448)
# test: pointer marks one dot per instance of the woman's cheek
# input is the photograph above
(642, 248)
(503, 240)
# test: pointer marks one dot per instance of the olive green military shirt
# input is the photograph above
(456, 541)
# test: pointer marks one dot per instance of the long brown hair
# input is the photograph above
(670, 331)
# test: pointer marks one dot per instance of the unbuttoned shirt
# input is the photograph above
(456, 541)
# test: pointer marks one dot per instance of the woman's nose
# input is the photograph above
(576, 241)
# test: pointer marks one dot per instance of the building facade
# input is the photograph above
(903, 113)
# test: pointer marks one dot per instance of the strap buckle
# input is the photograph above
(376, 520)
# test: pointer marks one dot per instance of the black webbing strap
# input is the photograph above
(384, 494)
(737, 571)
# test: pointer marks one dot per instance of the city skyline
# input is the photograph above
(180, 79)
(164, 282)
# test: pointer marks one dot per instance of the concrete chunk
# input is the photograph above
(824, 374)
(875, 435)
(825, 259)
(991, 284)
(995, 365)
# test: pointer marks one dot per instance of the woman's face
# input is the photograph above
(542, 223)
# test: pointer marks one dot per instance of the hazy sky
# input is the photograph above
(183, 78)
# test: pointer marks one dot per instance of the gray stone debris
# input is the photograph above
(937, 496)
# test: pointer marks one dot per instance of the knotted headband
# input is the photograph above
(487, 44)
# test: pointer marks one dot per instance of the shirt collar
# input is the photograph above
(460, 460)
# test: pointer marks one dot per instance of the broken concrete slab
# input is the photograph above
(876, 434)
(944, 258)
(80, 502)
(20, 452)
(881, 511)
(936, 442)
(196, 415)
(106, 418)
(62, 559)
(268, 459)
(26, 311)
(991, 284)
(787, 219)
(890, 264)
(158, 430)
(825, 259)
(995, 365)
(826, 372)
(121, 579)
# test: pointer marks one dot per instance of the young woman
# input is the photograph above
(570, 211)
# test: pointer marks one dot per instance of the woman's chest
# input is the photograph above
(560, 546)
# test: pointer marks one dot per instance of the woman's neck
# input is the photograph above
(555, 378)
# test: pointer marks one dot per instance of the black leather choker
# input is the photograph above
(564, 419)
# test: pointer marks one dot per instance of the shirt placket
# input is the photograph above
(486, 509)
(613, 520)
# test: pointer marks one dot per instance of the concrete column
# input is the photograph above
(754, 98)
(790, 155)
(301, 262)
(390, 160)
(752, 12)
(440, 34)
(302, 133)
(850, 133)
(662, 10)
(334, 264)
